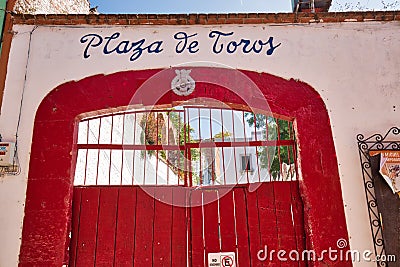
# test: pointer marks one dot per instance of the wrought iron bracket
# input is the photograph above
(365, 146)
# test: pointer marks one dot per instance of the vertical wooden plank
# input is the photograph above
(179, 249)
(298, 219)
(106, 226)
(285, 223)
(268, 221)
(254, 227)
(88, 226)
(144, 228)
(211, 225)
(126, 222)
(242, 228)
(162, 226)
(196, 225)
(76, 210)
(227, 222)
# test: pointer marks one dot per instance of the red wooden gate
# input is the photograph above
(245, 222)
(125, 226)
(132, 222)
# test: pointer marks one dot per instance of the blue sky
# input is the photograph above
(228, 6)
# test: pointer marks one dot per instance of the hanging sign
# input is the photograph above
(390, 169)
(222, 259)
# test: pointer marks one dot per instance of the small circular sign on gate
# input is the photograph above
(227, 261)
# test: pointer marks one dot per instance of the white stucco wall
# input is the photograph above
(355, 67)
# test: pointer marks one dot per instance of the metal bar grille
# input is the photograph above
(185, 145)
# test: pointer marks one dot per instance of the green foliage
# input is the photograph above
(270, 127)
(153, 133)
(185, 133)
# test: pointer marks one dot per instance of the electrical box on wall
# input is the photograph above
(7, 154)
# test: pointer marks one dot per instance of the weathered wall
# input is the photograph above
(355, 67)
(52, 7)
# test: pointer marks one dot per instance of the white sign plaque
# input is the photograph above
(221, 259)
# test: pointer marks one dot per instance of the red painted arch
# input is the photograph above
(50, 179)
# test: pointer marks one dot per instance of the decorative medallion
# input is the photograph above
(183, 84)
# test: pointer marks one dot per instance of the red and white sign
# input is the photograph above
(221, 259)
(7, 154)
(390, 169)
